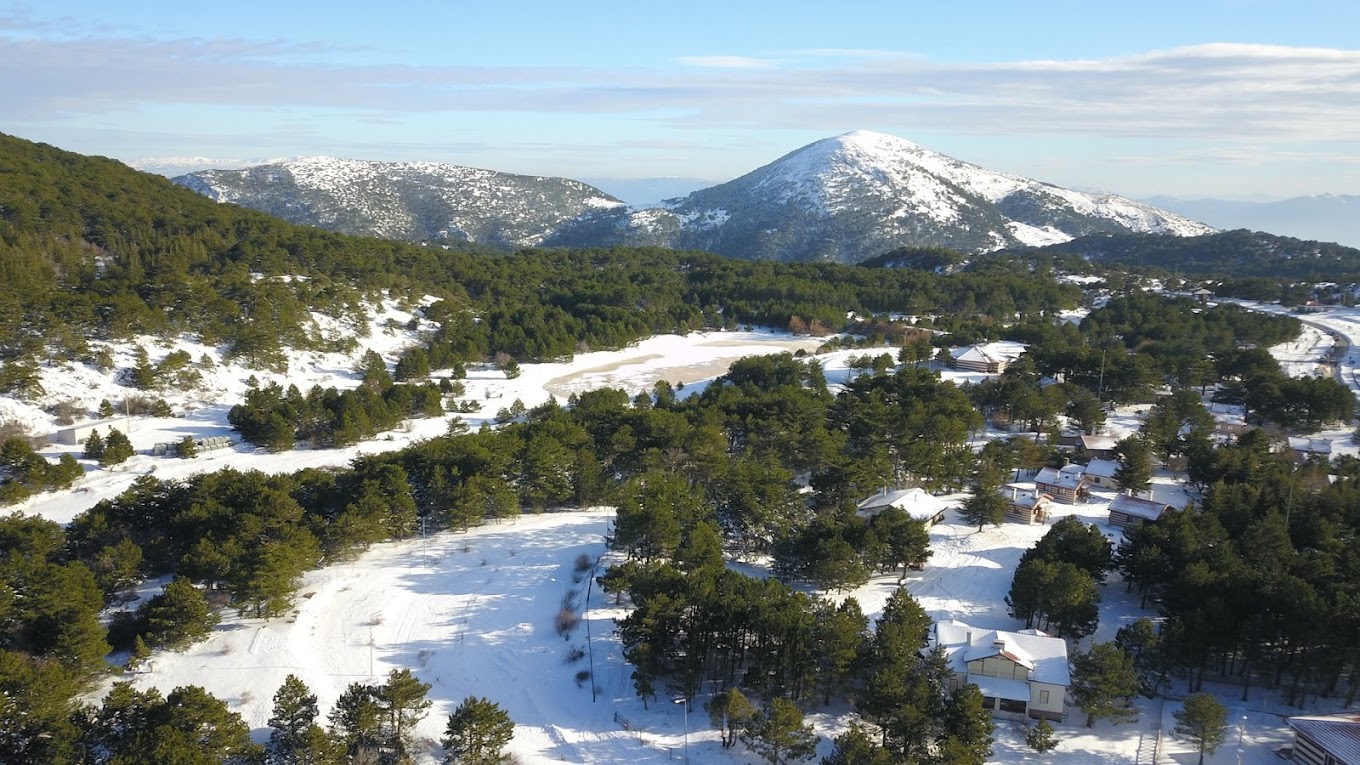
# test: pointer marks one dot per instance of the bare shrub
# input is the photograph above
(66, 412)
(582, 677)
(575, 655)
(566, 621)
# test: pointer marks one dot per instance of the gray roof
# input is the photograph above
(1338, 734)
(1137, 507)
(916, 503)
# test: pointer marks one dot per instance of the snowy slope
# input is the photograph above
(414, 201)
(861, 194)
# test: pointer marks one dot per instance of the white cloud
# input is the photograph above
(726, 62)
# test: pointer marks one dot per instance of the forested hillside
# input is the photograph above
(1239, 253)
(92, 250)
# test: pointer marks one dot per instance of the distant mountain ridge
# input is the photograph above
(1322, 217)
(411, 201)
(846, 198)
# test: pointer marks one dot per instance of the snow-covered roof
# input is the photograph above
(976, 353)
(1001, 687)
(1070, 476)
(1138, 507)
(1310, 445)
(1102, 468)
(916, 503)
(1043, 655)
(1022, 495)
(1097, 443)
(1338, 734)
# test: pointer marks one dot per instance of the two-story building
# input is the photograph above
(1022, 675)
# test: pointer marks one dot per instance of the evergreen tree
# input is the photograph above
(1142, 641)
(838, 635)
(117, 449)
(1104, 683)
(477, 733)
(1040, 738)
(139, 654)
(179, 616)
(777, 733)
(94, 446)
(985, 506)
(292, 719)
(37, 702)
(105, 409)
(187, 448)
(968, 727)
(856, 747)
(357, 722)
(1202, 721)
(1135, 464)
(729, 711)
(404, 704)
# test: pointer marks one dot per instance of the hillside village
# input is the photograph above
(1024, 673)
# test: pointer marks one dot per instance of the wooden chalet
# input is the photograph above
(1025, 503)
(1067, 484)
(1127, 511)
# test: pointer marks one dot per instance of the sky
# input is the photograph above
(1245, 99)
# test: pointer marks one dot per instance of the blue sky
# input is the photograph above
(1238, 98)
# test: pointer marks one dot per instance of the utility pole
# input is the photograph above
(684, 701)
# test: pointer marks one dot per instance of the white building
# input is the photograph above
(1101, 473)
(1021, 674)
(918, 504)
(79, 434)
(976, 358)
(1326, 739)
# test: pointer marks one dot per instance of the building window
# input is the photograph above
(988, 702)
(1043, 697)
(1011, 705)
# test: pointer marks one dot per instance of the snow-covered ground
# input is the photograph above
(474, 614)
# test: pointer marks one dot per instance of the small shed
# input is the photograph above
(918, 504)
(1127, 511)
(1203, 294)
(1300, 449)
(79, 434)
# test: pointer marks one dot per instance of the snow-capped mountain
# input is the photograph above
(413, 201)
(862, 194)
(847, 198)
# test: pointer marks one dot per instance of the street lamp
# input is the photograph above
(685, 702)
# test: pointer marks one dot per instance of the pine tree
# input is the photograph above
(94, 446)
(357, 722)
(404, 704)
(1040, 738)
(985, 506)
(297, 739)
(105, 409)
(729, 711)
(1135, 464)
(117, 449)
(777, 733)
(477, 733)
(856, 747)
(187, 448)
(1103, 684)
(968, 727)
(1202, 721)
(179, 616)
(139, 654)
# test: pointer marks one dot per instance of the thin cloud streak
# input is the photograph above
(1225, 92)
